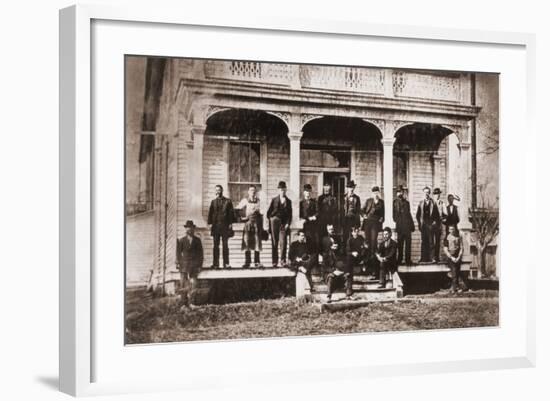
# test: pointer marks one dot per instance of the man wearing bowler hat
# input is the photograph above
(352, 210)
(438, 228)
(309, 214)
(404, 225)
(428, 219)
(373, 217)
(280, 217)
(189, 254)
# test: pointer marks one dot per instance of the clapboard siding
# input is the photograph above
(366, 172)
(182, 184)
(214, 170)
(140, 248)
(278, 163)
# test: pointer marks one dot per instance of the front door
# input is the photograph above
(338, 182)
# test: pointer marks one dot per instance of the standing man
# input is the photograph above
(280, 217)
(309, 213)
(439, 227)
(352, 210)
(189, 254)
(404, 225)
(373, 217)
(427, 217)
(453, 249)
(220, 220)
(386, 255)
(450, 218)
(302, 256)
(249, 208)
(334, 265)
(327, 210)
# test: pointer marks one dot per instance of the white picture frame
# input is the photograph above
(80, 344)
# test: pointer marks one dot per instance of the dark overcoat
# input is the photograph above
(402, 217)
(189, 254)
(221, 215)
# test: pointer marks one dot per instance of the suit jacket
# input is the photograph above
(308, 210)
(327, 209)
(389, 252)
(352, 206)
(331, 257)
(402, 217)
(189, 255)
(427, 218)
(220, 215)
(450, 218)
(278, 209)
(356, 245)
(299, 249)
(374, 213)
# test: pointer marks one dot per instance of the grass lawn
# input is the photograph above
(163, 320)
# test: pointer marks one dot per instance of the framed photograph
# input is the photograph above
(260, 189)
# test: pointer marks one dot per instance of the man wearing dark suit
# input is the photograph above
(428, 219)
(280, 217)
(450, 216)
(386, 255)
(327, 210)
(189, 254)
(302, 256)
(355, 249)
(437, 229)
(352, 210)
(404, 225)
(373, 217)
(333, 264)
(309, 213)
(220, 220)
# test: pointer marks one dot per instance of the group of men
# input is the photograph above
(318, 235)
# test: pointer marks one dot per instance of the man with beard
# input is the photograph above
(404, 225)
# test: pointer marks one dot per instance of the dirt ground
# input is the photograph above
(152, 320)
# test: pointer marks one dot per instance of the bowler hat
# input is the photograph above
(376, 188)
(189, 223)
(351, 184)
(437, 191)
(282, 185)
(400, 188)
(307, 187)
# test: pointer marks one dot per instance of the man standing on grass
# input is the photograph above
(334, 265)
(453, 249)
(301, 256)
(189, 254)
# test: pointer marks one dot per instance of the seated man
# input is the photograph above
(387, 256)
(334, 265)
(453, 249)
(301, 256)
(355, 249)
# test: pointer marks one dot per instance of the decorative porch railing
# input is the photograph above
(374, 81)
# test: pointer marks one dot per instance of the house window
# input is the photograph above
(244, 169)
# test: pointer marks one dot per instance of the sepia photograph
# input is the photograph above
(266, 199)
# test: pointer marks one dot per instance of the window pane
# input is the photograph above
(254, 162)
(244, 149)
(234, 162)
(237, 192)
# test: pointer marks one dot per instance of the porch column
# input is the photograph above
(388, 180)
(195, 176)
(465, 185)
(294, 184)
